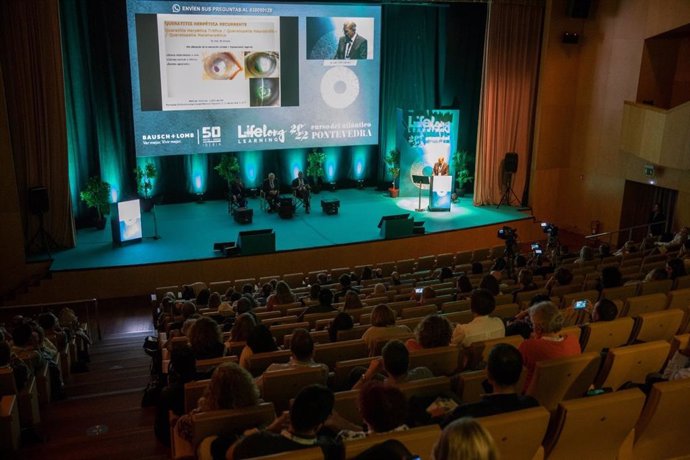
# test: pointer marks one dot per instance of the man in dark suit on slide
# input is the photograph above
(351, 45)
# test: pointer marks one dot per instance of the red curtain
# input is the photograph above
(506, 116)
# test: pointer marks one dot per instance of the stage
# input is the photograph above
(188, 231)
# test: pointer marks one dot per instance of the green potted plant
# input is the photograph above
(96, 194)
(144, 178)
(393, 162)
(315, 161)
(462, 167)
(228, 169)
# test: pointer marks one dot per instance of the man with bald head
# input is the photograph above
(351, 44)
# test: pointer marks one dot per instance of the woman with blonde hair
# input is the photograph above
(379, 291)
(352, 300)
(465, 439)
(206, 339)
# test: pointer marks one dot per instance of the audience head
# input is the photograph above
(434, 331)
(214, 301)
(342, 322)
(611, 277)
(525, 277)
(546, 318)
(188, 310)
(465, 439)
(322, 278)
(445, 273)
(244, 305)
(463, 284)
(383, 407)
(604, 250)
(428, 293)
(379, 290)
(345, 281)
(204, 334)
(520, 261)
(504, 365)
(326, 297)
(490, 283)
(604, 310)
(499, 264)
(302, 345)
(314, 291)
(477, 268)
(396, 358)
(261, 340)
(182, 365)
(243, 326)
(482, 302)
(563, 276)
(675, 267)
(22, 334)
(586, 253)
(231, 387)
(47, 320)
(203, 296)
(367, 273)
(352, 300)
(311, 408)
(382, 316)
(284, 293)
(395, 278)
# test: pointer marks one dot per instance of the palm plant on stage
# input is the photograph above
(463, 165)
(96, 194)
(393, 162)
(228, 169)
(144, 178)
(315, 161)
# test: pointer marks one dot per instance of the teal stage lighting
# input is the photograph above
(250, 164)
(113, 194)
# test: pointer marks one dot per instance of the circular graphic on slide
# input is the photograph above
(339, 87)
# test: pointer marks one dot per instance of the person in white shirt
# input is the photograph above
(482, 326)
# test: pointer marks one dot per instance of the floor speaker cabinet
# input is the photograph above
(256, 242)
(578, 8)
(243, 215)
(330, 207)
(38, 200)
(510, 163)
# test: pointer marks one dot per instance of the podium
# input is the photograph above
(420, 182)
(439, 193)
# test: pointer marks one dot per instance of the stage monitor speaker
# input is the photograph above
(396, 226)
(38, 200)
(393, 217)
(578, 8)
(256, 242)
(244, 215)
(510, 163)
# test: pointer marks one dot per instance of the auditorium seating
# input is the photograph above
(632, 364)
(419, 441)
(518, 435)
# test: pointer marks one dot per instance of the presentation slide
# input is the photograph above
(211, 77)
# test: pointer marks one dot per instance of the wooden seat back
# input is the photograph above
(352, 334)
(679, 298)
(606, 334)
(418, 312)
(440, 360)
(682, 282)
(559, 379)
(635, 306)
(518, 435)
(226, 422)
(655, 287)
(631, 364)
(282, 385)
(426, 387)
(470, 387)
(344, 368)
(506, 310)
(657, 325)
(621, 292)
(331, 353)
(280, 331)
(419, 441)
(664, 423)
(10, 431)
(456, 305)
(207, 365)
(347, 406)
(259, 362)
(594, 427)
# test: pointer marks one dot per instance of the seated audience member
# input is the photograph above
(264, 293)
(561, 277)
(310, 410)
(25, 347)
(245, 304)
(205, 339)
(182, 370)
(427, 297)
(503, 370)
(395, 278)
(325, 304)
(345, 281)
(302, 190)
(611, 277)
(342, 322)
(586, 255)
(214, 301)
(465, 439)
(604, 250)
(442, 274)
(383, 409)
(463, 287)
(202, 298)
(675, 267)
(395, 362)
(491, 284)
(520, 261)
(383, 326)
(367, 273)
(628, 248)
(8, 360)
(260, 340)
(388, 450)
(546, 342)
(302, 348)
(313, 297)
(678, 240)
(433, 331)
(271, 191)
(231, 387)
(282, 296)
(379, 291)
(53, 332)
(602, 310)
(541, 265)
(238, 194)
(352, 301)
(499, 265)
(243, 326)
(656, 274)
(678, 367)
(482, 326)
(525, 283)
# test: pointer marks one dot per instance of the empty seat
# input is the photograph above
(682, 282)
(622, 292)
(559, 379)
(414, 312)
(282, 385)
(9, 423)
(344, 368)
(606, 334)
(594, 427)
(664, 423)
(518, 435)
(331, 353)
(632, 364)
(655, 287)
(679, 298)
(479, 351)
(657, 325)
(440, 360)
(27, 398)
(508, 310)
(470, 387)
(294, 279)
(445, 260)
(405, 266)
(635, 306)
(455, 305)
(427, 263)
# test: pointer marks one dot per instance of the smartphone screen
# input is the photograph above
(535, 246)
(580, 304)
(538, 251)
(418, 290)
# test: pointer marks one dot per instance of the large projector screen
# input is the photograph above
(213, 77)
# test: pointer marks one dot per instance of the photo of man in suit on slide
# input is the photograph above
(351, 45)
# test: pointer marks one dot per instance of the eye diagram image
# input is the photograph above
(264, 92)
(261, 64)
(222, 66)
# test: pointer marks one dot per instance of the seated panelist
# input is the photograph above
(238, 194)
(302, 190)
(271, 190)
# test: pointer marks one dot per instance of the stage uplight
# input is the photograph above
(113, 194)
(197, 185)
(359, 158)
(251, 164)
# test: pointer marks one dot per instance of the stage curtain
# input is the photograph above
(32, 75)
(408, 68)
(508, 97)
